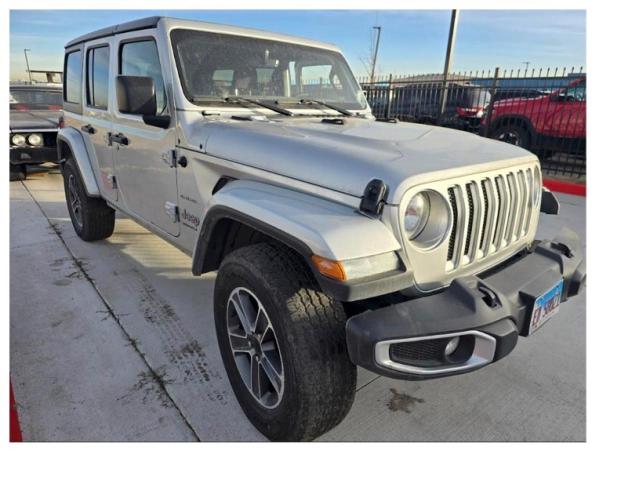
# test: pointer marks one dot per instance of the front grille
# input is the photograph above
(489, 214)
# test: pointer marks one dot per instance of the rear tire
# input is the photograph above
(17, 173)
(92, 218)
(317, 384)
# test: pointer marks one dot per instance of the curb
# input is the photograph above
(565, 187)
(15, 433)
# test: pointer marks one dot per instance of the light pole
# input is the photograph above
(26, 50)
(526, 70)
(374, 62)
(448, 59)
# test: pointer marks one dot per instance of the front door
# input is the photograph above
(147, 181)
(568, 118)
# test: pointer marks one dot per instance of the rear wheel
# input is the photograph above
(282, 342)
(513, 134)
(18, 172)
(92, 218)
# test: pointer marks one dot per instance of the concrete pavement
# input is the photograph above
(114, 340)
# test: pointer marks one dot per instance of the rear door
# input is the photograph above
(146, 178)
(97, 119)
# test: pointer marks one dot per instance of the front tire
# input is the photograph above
(92, 218)
(513, 134)
(17, 173)
(274, 322)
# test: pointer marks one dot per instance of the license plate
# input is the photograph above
(546, 306)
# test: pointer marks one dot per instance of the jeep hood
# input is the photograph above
(346, 157)
(33, 119)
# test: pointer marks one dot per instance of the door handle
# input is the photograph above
(88, 129)
(117, 138)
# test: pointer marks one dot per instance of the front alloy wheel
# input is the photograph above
(513, 134)
(282, 342)
(255, 347)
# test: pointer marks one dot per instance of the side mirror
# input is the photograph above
(136, 95)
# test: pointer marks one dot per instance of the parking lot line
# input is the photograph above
(537, 393)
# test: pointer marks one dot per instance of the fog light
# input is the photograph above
(451, 346)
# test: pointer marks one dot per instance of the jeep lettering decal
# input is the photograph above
(190, 220)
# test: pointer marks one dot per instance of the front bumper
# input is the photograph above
(28, 155)
(488, 311)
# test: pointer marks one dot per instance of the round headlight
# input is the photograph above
(35, 139)
(18, 140)
(416, 215)
(427, 219)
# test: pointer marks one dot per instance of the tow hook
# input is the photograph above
(563, 248)
(489, 296)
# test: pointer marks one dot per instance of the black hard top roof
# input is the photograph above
(141, 24)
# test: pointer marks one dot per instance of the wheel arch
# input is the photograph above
(520, 120)
(246, 212)
(69, 142)
(225, 229)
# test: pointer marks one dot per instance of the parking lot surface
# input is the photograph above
(114, 340)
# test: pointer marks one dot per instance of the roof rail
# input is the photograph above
(140, 24)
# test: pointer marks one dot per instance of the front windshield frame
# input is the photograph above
(356, 102)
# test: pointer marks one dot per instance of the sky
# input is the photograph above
(412, 41)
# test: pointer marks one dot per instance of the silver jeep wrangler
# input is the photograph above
(339, 240)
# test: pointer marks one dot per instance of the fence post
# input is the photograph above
(389, 103)
(490, 106)
(447, 61)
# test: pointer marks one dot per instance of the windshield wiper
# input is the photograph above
(274, 108)
(342, 111)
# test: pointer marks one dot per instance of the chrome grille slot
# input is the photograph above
(486, 211)
(453, 202)
(470, 218)
(501, 216)
(529, 206)
(512, 207)
(489, 214)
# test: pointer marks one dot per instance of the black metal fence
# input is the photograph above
(543, 111)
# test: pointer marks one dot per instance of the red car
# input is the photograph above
(550, 123)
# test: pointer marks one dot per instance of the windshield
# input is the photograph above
(214, 66)
(475, 97)
(34, 99)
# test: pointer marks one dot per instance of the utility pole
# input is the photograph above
(449, 58)
(374, 62)
(26, 50)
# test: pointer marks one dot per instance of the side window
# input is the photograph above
(140, 59)
(577, 93)
(97, 70)
(73, 77)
